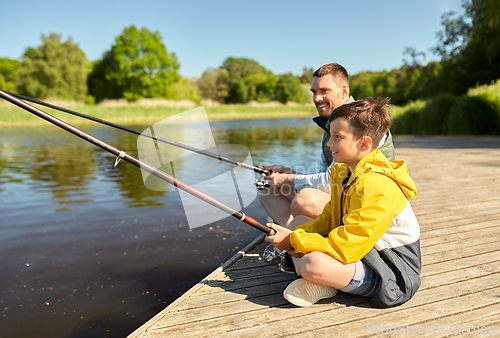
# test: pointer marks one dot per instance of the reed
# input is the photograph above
(11, 115)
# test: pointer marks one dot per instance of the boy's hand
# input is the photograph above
(292, 253)
(281, 240)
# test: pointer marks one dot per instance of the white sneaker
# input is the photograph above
(302, 292)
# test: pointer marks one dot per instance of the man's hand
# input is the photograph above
(280, 176)
(278, 169)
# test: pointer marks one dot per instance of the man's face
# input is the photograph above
(327, 95)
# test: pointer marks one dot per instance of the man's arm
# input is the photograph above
(320, 181)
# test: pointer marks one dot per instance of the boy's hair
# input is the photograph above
(368, 117)
(335, 70)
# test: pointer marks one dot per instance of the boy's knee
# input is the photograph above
(311, 265)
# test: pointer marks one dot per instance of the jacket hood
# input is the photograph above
(376, 162)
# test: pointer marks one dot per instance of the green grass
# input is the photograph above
(476, 113)
(11, 115)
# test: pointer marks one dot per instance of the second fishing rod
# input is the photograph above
(259, 184)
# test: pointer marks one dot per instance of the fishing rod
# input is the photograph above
(140, 164)
(157, 138)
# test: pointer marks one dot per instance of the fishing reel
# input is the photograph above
(262, 184)
(274, 256)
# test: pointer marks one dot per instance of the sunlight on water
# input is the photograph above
(88, 251)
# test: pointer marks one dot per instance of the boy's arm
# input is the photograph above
(329, 217)
(322, 224)
(370, 215)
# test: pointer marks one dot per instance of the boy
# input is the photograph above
(366, 240)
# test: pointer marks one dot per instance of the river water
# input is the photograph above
(89, 251)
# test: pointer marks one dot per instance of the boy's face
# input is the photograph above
(345, 147)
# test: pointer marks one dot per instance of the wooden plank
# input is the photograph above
(459, 263)
(461, 251)
(441, 281)
(475, 238)
(224, 319)
(467, 226)
(477, 321)
(352, 321)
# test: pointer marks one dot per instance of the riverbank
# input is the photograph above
(11, 115)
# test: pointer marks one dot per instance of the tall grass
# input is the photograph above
(11, 115)
(476, 113)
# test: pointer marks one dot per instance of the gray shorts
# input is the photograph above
(365, 281)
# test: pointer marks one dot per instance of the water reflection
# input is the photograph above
(87, 251)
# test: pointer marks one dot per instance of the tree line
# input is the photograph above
(468, 46)
(138, 65)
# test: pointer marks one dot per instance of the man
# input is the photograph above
(291, 194)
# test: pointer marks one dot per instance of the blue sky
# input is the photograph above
(283, 36)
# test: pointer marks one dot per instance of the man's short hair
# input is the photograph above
(335, 70)
(368, 117)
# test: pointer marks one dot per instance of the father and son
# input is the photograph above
(350, 227)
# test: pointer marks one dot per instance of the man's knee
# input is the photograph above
(266, 195)
(309, 202)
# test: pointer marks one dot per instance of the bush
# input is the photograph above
(90, 100)
(477, 113)
(431, 119)
(472, 115)
(490, 93)
(404, 119)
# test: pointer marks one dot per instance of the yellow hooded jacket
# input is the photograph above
(376, 218)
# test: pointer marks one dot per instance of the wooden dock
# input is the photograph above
(458, 208)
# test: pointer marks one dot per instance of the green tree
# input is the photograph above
(241, 79)
(307, 75)
(54, 69)
(267, 89)
(239, 92)
(289, 88)
(185, 89)
(213, 84)
(468, 45)
(482, 54)
(240, 67)
(8, 73)
(138, 65)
